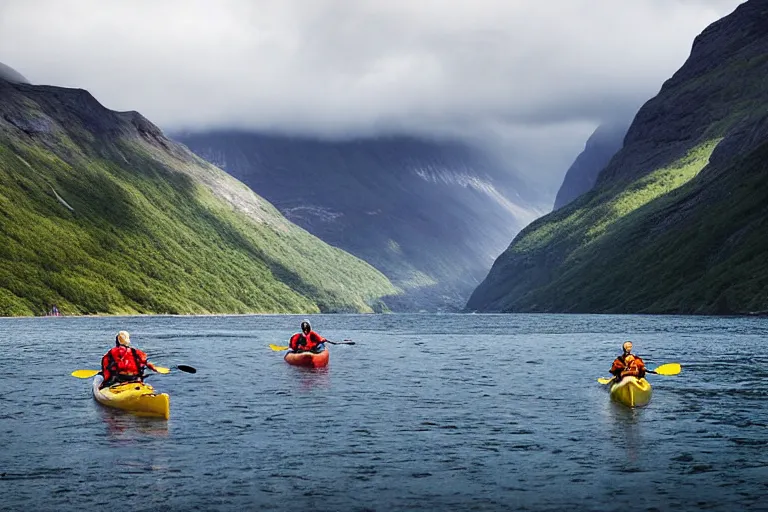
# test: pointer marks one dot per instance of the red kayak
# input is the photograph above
(308, 359)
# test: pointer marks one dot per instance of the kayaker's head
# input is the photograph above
(123, 338)
(305, 327)
(627, 347)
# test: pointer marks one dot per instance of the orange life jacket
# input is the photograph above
(125, 361)
(305, 342)
(628, 365)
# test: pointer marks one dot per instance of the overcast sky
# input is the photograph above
(531, 77)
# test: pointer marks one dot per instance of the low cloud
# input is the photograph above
(340, 68)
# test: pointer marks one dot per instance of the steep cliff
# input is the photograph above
(676, 221)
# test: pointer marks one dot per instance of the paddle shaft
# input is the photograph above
(279, 348)
(87, 374)
(181, 367)
(664, 369)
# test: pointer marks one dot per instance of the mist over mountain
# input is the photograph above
(464, 122)
(430, 215)
(9, 74)
(528, 80)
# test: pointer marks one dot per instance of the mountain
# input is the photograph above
(101, 213)
(9, 74)
(605, 142)
(676, 222)
(430, 215)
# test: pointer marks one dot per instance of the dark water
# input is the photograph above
(455, 412)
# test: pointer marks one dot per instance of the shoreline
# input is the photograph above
(751, 314)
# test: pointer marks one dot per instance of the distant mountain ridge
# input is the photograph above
(9, 74)
(605, 142)
(431, 215)
(676, 221)
(101, 213)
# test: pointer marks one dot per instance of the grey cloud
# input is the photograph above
(356, 67)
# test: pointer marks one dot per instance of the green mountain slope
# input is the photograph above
(676, 221)
(101, 213)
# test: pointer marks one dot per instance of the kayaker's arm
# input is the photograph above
(318, 339)
(617, 367)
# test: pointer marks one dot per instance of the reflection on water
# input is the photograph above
(312, 378)
(626, 430)
(124, 426)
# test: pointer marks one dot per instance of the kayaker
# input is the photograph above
(307, 340)
(123, 363)
(627, 364)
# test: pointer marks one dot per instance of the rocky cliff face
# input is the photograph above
(430, 215)
(673, 223)
(605, 142)
(101, 213)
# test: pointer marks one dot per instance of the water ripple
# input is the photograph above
(419, 415)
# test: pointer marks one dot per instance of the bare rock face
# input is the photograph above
(9, 74)
(722, 83)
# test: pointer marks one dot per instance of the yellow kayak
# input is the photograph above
(632, 392)
(137, 397)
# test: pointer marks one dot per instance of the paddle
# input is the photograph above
(665, 369)
(278, 348)
(87, 374)
(181, 367)
(84, 374)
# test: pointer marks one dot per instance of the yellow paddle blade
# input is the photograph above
(161, 369)
(84, 374)
(278, 348)
(668, 369)
(603, 380)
